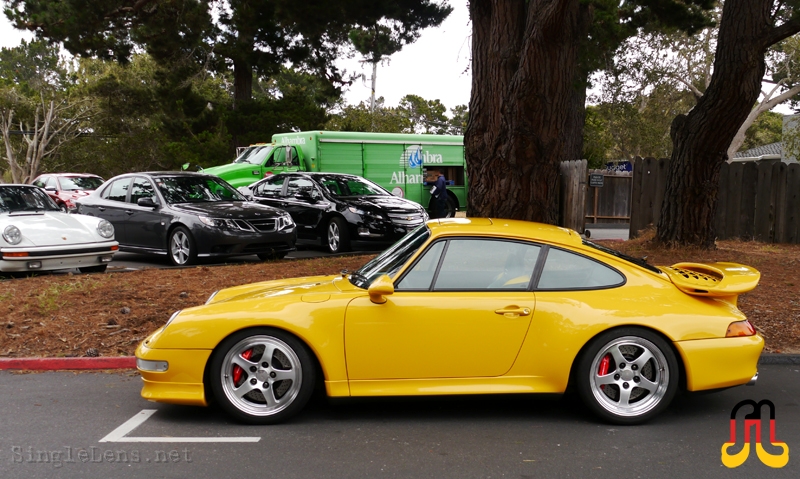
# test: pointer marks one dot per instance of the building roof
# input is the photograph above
(771, 149)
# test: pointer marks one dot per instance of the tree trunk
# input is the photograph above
(242, 82)
(527, 104)
(701, 138)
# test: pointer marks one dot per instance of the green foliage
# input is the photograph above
(413, 115)
(360, 118)
(768, 128)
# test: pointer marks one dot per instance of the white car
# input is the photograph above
(36, 236)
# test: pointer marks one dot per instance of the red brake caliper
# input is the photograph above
(603, 369)
(237, 371)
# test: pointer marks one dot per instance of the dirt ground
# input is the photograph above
(62, 315)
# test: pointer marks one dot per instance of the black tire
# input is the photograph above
(181, 247)
(336, 238)
(101, 268)
(289, 376)
(636, 382)
(450, 209)
(63, 208)
(271, 256)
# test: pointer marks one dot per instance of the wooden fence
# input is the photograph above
(758, 201)
(581, 204)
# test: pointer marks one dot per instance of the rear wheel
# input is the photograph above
(337, 236)
(449, 210)
(262, 376)
(627, 376)
(181, 248)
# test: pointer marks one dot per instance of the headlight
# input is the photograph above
(105, 229)
(285, 222)
(209, 221)
(12, 235)
(368, 214)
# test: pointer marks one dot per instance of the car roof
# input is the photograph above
(504, 228)
(167, 173)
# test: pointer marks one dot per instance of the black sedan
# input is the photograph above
(188, 216)
(338, 209)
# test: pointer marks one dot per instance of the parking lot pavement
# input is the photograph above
(53, 424)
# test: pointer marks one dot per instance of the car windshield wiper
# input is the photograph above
(359, 280)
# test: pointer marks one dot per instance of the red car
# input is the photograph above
(65, 188)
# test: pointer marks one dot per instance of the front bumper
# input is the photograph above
(720, 363)
(220, 243)
(182, 382)
(55, 258)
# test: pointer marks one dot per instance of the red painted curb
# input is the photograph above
(55, 364)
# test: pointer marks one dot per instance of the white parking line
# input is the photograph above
(120, 434)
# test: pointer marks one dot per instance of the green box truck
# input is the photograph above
(404, 164)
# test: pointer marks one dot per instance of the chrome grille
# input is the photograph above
(264, 224)
(406, 218)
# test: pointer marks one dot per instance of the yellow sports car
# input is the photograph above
(464, 306)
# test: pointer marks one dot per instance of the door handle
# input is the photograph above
(129, 212)
(513, 311)
(101, 208)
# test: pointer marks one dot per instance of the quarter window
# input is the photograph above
(270, 188)
(565, 270)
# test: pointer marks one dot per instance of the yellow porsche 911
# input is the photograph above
(464, 306)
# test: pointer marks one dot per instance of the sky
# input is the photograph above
(435, 67)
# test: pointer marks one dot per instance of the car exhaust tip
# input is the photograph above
(752, 381)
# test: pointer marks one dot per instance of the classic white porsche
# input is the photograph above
(35, 235)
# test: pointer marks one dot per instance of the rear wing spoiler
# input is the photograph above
(713, 279)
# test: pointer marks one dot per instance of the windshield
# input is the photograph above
(637, 261)
(25, 198)
(196, 189)
(351, 186)
(390, 261)
(254, 155)
(75, 183)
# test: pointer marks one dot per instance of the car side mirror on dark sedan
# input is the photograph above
(147, 202)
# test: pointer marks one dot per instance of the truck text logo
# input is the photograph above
(754, 419)
(293, 141)
(414, 157)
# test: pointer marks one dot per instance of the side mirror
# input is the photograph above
(50, 188)
(147, 202)
(379, 288)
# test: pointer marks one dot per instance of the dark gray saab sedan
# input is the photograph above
(188, 216)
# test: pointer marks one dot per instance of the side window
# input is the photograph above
(142, 188)
(421, 274)
(292, 160)
(279, 157)
(40, 182)
(301, 187)
(117, 191)
(51, 182)
(566, 270)
(270, 188)
(484, 264)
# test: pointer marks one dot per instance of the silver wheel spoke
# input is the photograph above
(605, 380)
(245, 388)
(647, 384)
(642, 359)
(242, 362)
(283, 375)
(617, 355)
(624, 397)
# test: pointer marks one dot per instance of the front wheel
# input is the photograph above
(262, 376)
(337, 236)
(182, 251)
(627, 376)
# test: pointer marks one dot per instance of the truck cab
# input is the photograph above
(259, 161)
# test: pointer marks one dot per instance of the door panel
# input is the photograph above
(417, 335)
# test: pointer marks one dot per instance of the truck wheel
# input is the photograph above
(337, 236)
(449, 211)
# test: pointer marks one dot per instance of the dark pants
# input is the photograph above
(440, 206)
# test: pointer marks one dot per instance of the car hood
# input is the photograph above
(229, 168)
(310, 289)
(383, 202)
(229, 209)
(51, 228)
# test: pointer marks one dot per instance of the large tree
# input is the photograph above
(246, 36)
(531, 60)
(701, 138)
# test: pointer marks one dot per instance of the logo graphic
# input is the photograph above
(754, 419)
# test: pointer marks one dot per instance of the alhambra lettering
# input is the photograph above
(400, 177)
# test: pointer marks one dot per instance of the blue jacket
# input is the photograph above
(440, 186)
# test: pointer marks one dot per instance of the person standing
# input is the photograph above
(439, 192)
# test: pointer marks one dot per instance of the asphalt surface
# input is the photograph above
(53, 424)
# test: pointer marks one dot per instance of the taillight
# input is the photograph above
(740, 328)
